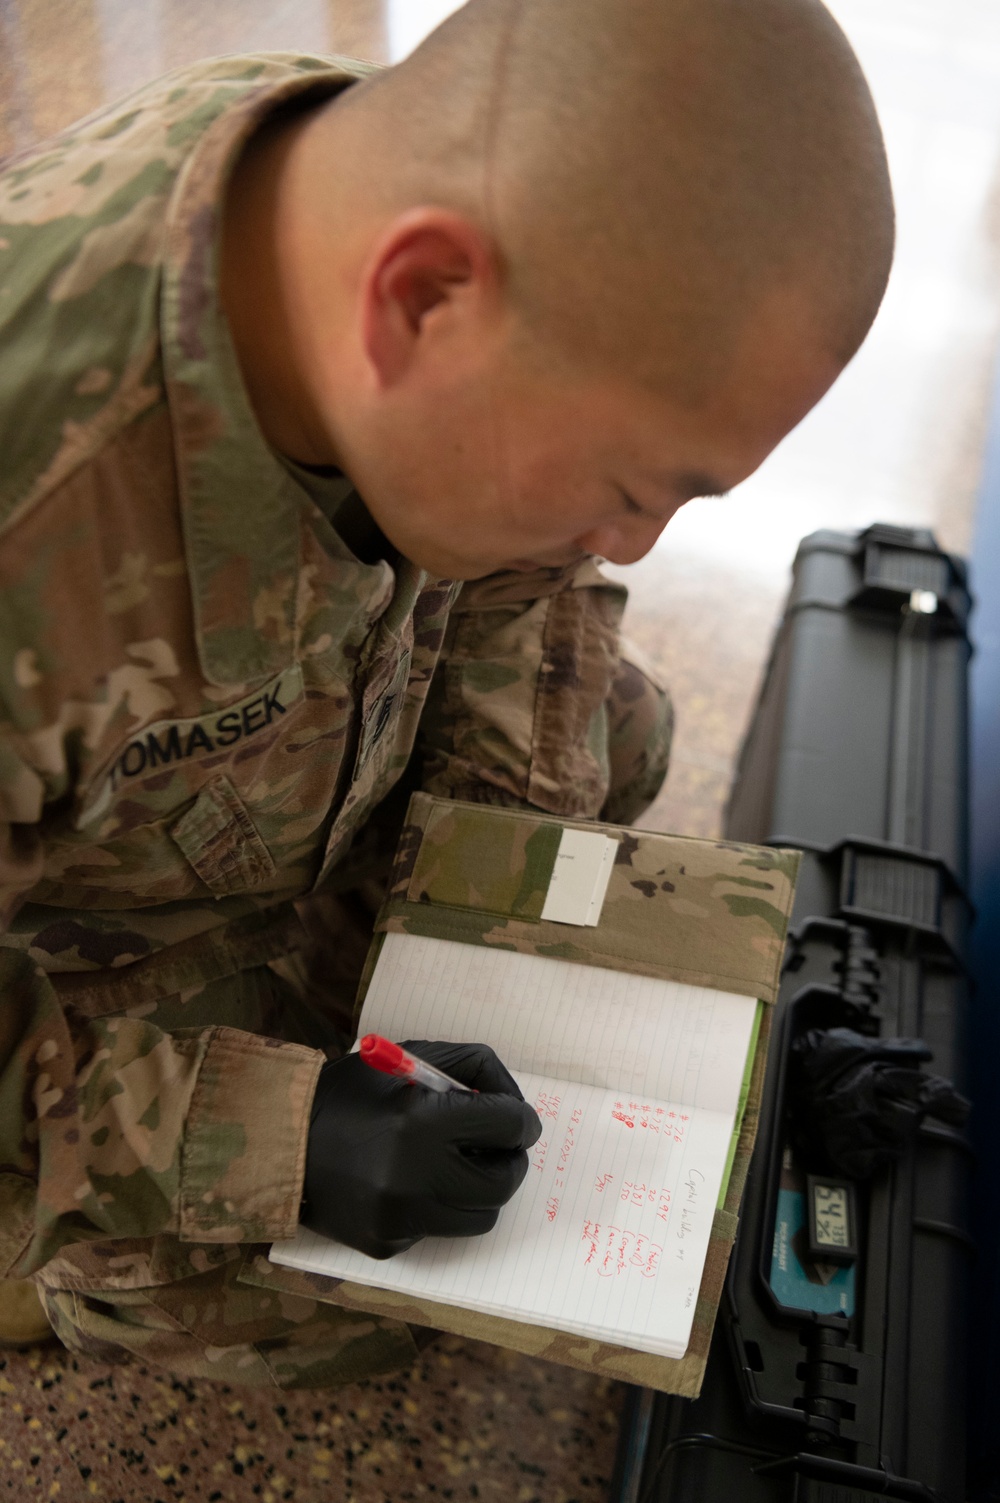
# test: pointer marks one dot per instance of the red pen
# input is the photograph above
(382, 1054)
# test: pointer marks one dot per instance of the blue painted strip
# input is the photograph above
(985, 1018)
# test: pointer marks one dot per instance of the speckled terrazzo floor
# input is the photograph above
(467, 1422)
(706, 631)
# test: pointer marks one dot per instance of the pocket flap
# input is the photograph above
(221, 842)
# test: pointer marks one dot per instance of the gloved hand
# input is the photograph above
(857, 1102)
(388, 1163)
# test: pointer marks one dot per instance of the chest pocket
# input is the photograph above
(221, 842)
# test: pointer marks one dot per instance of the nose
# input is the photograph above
(623, 542)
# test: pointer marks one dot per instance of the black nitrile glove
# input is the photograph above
(858, 1102)
(388, 1163)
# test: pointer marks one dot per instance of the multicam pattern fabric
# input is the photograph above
(214, 1326)
(640, 733)
(709, 913)
(203, 696)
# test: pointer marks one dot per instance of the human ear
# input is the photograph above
(428, 267)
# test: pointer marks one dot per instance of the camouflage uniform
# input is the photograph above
(204, 694)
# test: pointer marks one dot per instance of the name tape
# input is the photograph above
(171, 741)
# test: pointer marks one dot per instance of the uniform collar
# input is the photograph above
(240, 507)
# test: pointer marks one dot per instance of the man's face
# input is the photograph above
(497, 465)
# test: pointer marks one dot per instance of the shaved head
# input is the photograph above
(568, 265)
(652, 173)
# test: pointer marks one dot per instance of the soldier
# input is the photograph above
(569, 265)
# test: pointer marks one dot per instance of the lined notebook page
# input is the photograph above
(606, 1238)
(608, 1235)
(555, 1017)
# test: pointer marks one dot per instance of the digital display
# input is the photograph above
(833, 1226)
(831, 1219)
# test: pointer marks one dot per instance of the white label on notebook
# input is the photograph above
(580, 878)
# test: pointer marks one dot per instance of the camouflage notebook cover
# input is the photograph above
(712, 914)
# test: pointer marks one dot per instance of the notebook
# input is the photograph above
(639, 1083)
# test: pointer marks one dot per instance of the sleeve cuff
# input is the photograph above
(244, 1154)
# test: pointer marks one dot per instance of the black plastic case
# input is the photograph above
(857, 754)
